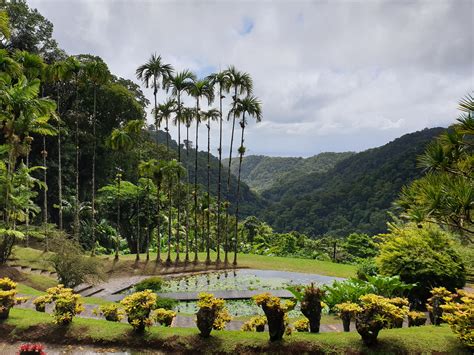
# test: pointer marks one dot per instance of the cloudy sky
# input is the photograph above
(332, 75)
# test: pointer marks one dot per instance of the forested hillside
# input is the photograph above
(261, 172)
(354, 196)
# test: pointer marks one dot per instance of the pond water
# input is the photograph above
(243, 280)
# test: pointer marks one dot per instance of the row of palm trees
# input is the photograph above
(157, 75)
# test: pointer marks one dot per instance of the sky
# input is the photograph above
(331, 75)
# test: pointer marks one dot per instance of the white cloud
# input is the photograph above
(351, 74)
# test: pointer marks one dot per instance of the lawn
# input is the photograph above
(28, 325)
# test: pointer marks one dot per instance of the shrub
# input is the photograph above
(112, 312)
(346, 291)
(164, 317)
(138, 307)
(424, 256)
(311, 306)
(301, 325)
(389, 286)
(366, 267)
(415, 319)
(435, 303)
(66, 303)
(375, 314)
(276, 314)
(401, 312)
(255, 324)
(360, 246)
(154, 283)
(347, 311)
(40, 303)
(458, 312)
(8, 297)
(166, 303)
(212, 314)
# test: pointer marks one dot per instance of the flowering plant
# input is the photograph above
(31, 349)
(164, 317)
(112, 312)
(8, 297)
(138, 307)
(212, 314)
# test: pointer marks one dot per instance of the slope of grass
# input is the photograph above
(28, 325)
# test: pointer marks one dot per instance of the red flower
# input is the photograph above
(33, 349)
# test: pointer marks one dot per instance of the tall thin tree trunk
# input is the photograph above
(94, 147)
(170, 202)
(196, 227)
(27, 220)
(138, 223)
(226, 260)
(147, 224)
(76, 206)
(220, 173)
(60, 171)
(117, 244)
(236, 231)
(208, 216)
(187, 196)
(178, 200)
(45, 194)
(158, 226)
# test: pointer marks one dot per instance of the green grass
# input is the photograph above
(28, 325)
(126, 264)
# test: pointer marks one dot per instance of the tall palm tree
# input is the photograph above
(200, 89)
(75, 68)
(240, 83)
(252, 107)
(187, 116)
(97, 74)
(56, 74)
(209, 116)
(220, 80)
(179, 84)
(121, 139)
(164, 112)
(151, 72)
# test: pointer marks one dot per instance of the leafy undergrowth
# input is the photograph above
(28, 325)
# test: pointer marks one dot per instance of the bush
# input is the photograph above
(301, 325)
(31, 349)
(112, 312)
(276, 314)
(415, 319)
(375, 314)
(154, 283)
(347, 311)
(8, 297)
(72, 267)
(458, 312)
(138, 307)
(255, 324)
(40, 303)
(311, 306)
(366, 267)
(166, 303)
(360, 246)
(424, 256)
(402, 310)
(389, 286)
(346, 291)
(212, 314)
(164, 316)
(435, 303)
(67, 304)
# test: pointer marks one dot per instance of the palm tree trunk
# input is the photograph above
(236, 231)
(226, 260)
(196, 227)
(178, 200)
(138, 224)
(168, 259)
(117, 242)
(208, 216)
(76, 207)
(60, 171)
(45, 194)
(187, 196)
(94, 142)
(147, 224)
(158, 226)
(220, 172)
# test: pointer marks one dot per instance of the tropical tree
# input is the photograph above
(121, 139)
(251, 107)
(240, 83)
(187, 117)
(97, 74)
(56, 73)
(221, 81)
(179, 84)
(208, 117)
(150, 74)
(199, 89)
(75, 68)
(4, 26)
